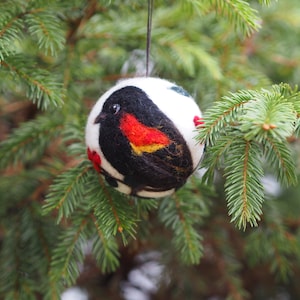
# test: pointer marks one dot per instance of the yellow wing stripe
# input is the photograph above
(139, 150)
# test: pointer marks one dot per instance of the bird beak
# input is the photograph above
(100, 118)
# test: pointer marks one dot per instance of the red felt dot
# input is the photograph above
(95, 158)
(90, 154)
(198, 121)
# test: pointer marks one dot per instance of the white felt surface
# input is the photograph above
(179, 108)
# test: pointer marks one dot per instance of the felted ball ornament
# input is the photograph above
(140, 136)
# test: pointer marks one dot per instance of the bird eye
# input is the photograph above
(115, 108)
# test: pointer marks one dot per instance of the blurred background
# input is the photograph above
(86, 46)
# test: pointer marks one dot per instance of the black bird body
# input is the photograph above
(160, 170)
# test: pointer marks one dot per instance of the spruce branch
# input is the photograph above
(66, 194)
(291, 95)
(11, 27)
(222, 114)
(144, 206)
(81, 186)
(16, 190)
(41, 22)
(42, 87)
(280, 159)
(190, 55)
(231, 266)
(13, 283)
(113, 211)
(73, 135)
(262, 120)
(214, 158)
(200, 7)
(277, 241)
(25, 252)
(266, 2)
(271, 115)
(245, 133)
(69, 252)
(283, 248)
(243, 187)
(105, 249)
(239, 13)
(79, 189)
(180, 214)
(28, 142)
(46, 27)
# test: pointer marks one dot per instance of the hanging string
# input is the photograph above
(149, 27)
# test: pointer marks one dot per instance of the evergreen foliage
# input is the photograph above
(241, 128)
(56, 213)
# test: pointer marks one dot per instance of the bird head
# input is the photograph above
(130, 100)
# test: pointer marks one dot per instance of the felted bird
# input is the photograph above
(141, 151)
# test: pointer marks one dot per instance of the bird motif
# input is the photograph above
(140, 136)
(139, 140)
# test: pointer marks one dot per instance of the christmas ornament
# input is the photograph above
(141, 136)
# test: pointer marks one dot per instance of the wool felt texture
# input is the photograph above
(142, 138)
(140, 135)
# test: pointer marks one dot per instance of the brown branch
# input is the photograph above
(78, 23)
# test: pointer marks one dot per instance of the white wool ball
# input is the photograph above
(141, 136)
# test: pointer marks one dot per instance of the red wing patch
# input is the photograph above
(95, 158)
(140, 135)
(142, 138)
